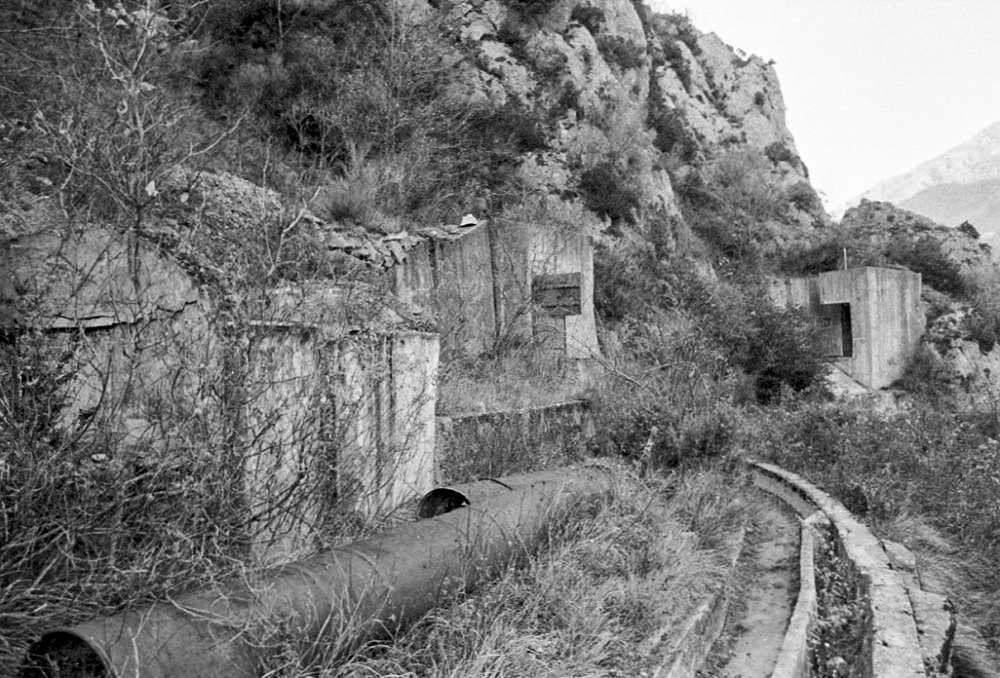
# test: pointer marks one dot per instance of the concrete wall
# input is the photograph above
(325, 407)
(885, 318)
(566, 251)
(333, 426)
(477, 282)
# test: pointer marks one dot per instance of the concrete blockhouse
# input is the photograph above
(484, 282)
(871, 318)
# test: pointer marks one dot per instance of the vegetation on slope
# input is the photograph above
(345, 105)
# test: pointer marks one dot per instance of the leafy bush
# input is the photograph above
(925, 256)
(928, 376)
(778, 152)
(321, 78)
(685, 30)
(591, 18)
(621, 52)
(730, 202)
(607, 189)
(531, 9)
(672, 134)
(803, 196)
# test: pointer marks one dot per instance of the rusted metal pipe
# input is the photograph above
(345, 595)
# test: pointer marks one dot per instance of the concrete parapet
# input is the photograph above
(893, 636)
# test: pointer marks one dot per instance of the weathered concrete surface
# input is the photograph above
(691, 646)
(933, 612)
(887, 320)
(793, 659)
(892, 638)
(450, 273)
(323, 396)
(122, 328)
(335, 418)
(87, 279)
(558, 251)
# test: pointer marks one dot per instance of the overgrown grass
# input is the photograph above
(595, 601)
(931, 465)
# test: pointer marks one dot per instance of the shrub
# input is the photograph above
(927, 375)
(591, 18)
(674, 56)
(730, 202)
(685, 30)
(608, 190)
(621, 52)
(778, 152)
(778, 347)
(531, 9)
(672, 134)
(803, 197)
(322, 78)
(925, 256)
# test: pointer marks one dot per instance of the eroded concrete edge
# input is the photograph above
(793, 658)
(895, 649)
(933, 612)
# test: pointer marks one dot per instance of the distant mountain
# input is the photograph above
(962, 184)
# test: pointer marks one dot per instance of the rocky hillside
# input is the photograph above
(379, 115)
(960, 185)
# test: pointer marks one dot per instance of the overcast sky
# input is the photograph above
(872, 87)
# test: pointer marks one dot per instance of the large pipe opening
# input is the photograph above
(439, 501)
(62, 654)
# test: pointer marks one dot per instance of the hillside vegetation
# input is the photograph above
(233, 138)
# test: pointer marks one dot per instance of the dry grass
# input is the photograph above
(945, 569)
(522, 377)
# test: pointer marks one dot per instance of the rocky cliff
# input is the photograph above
(637, 99)
(413, 111)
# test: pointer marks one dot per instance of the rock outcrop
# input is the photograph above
(881, 222)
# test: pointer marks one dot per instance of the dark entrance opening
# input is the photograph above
(847, 336)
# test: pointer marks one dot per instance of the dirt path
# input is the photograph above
(766, 586)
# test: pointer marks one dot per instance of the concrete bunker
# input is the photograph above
(870, 318)
(485, 280)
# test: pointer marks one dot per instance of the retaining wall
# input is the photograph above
(905, 638)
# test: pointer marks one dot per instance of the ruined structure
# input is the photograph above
(485, 281)
(871, 318)
(316, 401)
(337, 410)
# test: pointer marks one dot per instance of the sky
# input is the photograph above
(872, 88)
